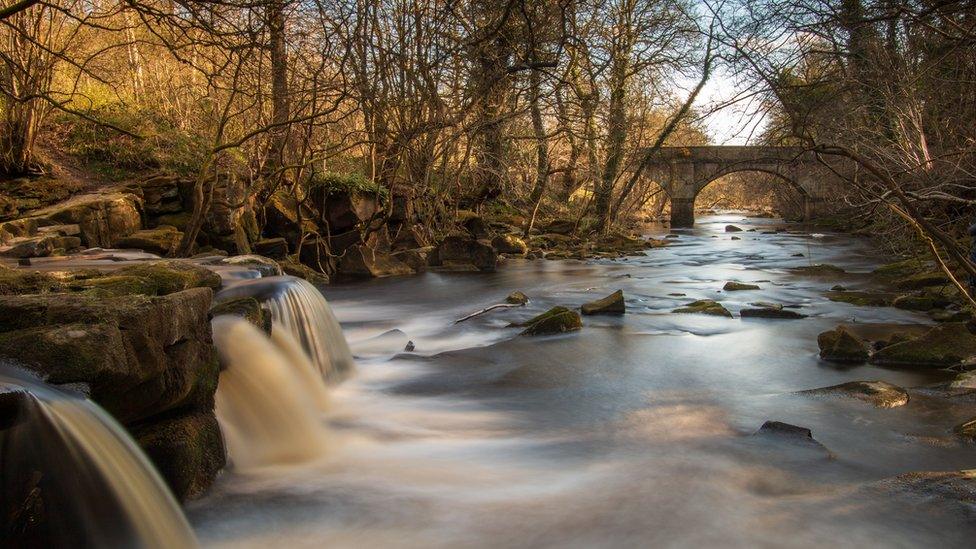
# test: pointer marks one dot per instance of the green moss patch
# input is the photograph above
(704, 307)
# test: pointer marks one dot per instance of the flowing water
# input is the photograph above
(635, 432)
(65, 455)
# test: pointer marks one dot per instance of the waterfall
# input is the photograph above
(71, 476)
(270, 396)
(299, 308)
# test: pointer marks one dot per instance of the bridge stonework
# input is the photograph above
(684, 171)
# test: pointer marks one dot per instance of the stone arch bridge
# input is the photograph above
(684, 171)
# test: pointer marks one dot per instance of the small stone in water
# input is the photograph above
(410, 347)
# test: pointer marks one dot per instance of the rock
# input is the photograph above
(264, 265)
(613, 304)
(457, 250)
(554, 321)
(735, 238)
(415, 259)
(840, 345)
(878, 393)
(187, 450)
(778, 428)
(281, 212)
(922, 280)
(561, 226)
(517, 298)
(966, 430)
(294, 268)
(39, 246)
(59, 230)
(838, 288)
(160, 241)
(705, 307)
(247, 308)
(102, 218)
(822, 269)
(943, 346)
(771, 312)
(344, 210)
(509, 244)
(738, 286)
(141, 356)
(925, 488)
(894, 338)
(920, 302)
(474, 224)
(275, 248)
(901, 269)
(409, 347)
(361, 261)
(732, 229)
(410, 238)
(862, 299)
(115, 285)
(170, 276)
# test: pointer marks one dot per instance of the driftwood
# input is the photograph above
(489, 309)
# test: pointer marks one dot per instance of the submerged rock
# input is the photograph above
(778, 428)
(732, 229)
(822, 269)
(613, 304)
(705, 307)
(840, 345)
(771, 312)
(554, 321)
(943, 346)
(878, 393)
(738, 286)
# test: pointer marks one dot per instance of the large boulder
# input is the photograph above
(41, 245)
(458, 251)
(554, 321)
(187, 450)
(361, 261)
(101, 218)
(613, 304)
(840, 345)
(247, 308)
(942, 346)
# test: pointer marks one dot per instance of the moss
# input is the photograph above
(705, 307)
(247, 308)
(172, 276)
(899, 269)
(919, 302)
(351, 183)
(19, 281)
(554, 321)
(862, 299)
(517, 298)
(177, 220)
(771, 312)
(509, 244)
(115, 285)
(840, 345)
(922, 280)
(738, 286)
(942, 346)
(300, 270)
(823, 269)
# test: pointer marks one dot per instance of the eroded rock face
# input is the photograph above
(101, 218)
(613, 304)
(878, 393)
(943, 346)
(458, 251)
(840, 345)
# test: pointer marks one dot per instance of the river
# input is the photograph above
(636, 431)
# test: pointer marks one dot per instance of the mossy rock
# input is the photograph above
(823, 269)
(920, 302)
(943, 346)
(705, 307)
(840, 345)
(247, 308)
(178, 220)
(554, 321)
(900, 269)
(878, 393)
(862, 299)
(171, 276)
(509, 244)
(300, 270)
(116, 285)
(188, 451)
(517, 298)
(771, 312)
(20, 282)
(738, 286)
(613, 304)
(922, 280)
